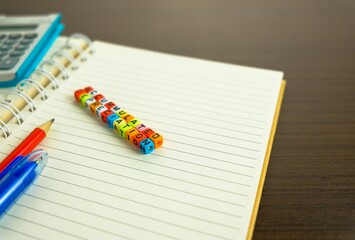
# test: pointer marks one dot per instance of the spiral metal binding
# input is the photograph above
(46, 73)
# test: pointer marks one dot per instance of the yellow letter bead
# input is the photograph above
(84, 97)
(99, 110)
(124, 129)
(134, 122)
(131, 133)
(93, 106)
(117, 124)
(121, 112)
(90, 101)
(157, 139)
(127, 117)
(146, 146)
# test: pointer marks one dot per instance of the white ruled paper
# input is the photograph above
(201, 184)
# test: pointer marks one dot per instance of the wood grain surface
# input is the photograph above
(309, 191)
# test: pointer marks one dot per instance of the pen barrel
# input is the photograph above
(13, 185)
(25, 147)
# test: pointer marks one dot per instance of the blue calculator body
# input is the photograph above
(24, 40)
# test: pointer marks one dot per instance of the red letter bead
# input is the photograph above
(94, 105)
(148, 132)
(98, 97)
(141, 127)
(157, 139)
(105, 114)
(137, 139)
(131, 133)
(110, 105)
(88, 89)
(78, 93)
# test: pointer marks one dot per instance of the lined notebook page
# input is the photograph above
(215, 118)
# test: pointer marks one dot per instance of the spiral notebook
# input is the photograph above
(218, 121)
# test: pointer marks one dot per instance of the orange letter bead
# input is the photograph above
(117, 124)
(127, 117)
(78, 93)
(148, 132)
(124, 129)
(137, 139)
(131, 133)
(94, 105)
(157, 139)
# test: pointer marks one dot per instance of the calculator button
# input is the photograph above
(26, 41)
(3, 53)
(9, 63)
(21, 47)
(15, 36)
(16, 53)
(5, 47)
(31, 35)
(2, 36)
(10, 42)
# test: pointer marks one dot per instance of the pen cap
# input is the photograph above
(39, 156)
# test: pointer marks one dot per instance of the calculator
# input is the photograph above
(24, 40)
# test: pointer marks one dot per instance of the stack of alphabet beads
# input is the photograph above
(124, 123)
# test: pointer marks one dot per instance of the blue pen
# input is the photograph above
(19, 178)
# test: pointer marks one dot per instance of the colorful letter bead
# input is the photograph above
(127, 117)
(103, 101)
(78, 93)
(111, 119)
(137, 139)
(110, 105)
(98, 97)
(121, 112)
(88, 89)
(146, 146)
(115, 109)
(134, 122)
(148, 132)
(157, 139)
(117, 124)
(124, 129)
(131, 133)
(90, 101)
(94, 93)
(141, 127)
(99, 110)
(105, 114)
(94, 105)
(83, 98)
(129, 127)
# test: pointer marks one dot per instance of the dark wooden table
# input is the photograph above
(309, 191)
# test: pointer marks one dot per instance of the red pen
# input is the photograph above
(28, 144)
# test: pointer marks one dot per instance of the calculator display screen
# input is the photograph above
(18, 28)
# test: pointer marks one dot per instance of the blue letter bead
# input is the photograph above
(111, 119)
(147, 146)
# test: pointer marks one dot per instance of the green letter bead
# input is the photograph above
(117, 124)
(134, 122)
(124, 129)
(84, 97)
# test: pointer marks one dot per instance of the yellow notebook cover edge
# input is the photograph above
(266, 162)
